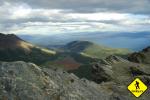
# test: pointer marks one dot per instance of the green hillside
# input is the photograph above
(93, 50)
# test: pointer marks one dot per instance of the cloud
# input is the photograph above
(67, 16)
(82, 6)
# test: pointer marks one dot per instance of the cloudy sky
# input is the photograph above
(69, 16)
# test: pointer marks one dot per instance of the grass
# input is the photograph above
(97, 51)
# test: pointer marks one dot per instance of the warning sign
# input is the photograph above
(137, 87)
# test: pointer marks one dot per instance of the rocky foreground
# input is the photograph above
(26, 81)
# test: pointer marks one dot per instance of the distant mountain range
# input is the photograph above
(131, 40)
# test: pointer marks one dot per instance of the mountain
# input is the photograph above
(12, 48)
(27, 81)
(141, 57)
(93, 50)
(11, 41)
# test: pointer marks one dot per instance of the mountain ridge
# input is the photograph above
(13, 48)
(11, 41)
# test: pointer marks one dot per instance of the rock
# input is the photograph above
(146, 49)
(101, 73)
(137, 70)
(26, 81)
(114, 74)
(141, 56)
(136, 57)
(114, 59)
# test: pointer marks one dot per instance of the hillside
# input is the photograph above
(69, 61)
(109, 68)
(12, 48)
(78, 54)
(141, 57)
(11, 41)
(93, 50)
(116, 70)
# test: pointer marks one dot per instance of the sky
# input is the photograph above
(49, 17)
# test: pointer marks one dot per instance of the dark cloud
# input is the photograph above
(84, 6)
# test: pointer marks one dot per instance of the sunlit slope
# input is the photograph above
(93, 50)
(12, 48)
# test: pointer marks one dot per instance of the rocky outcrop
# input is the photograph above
(137, 57)
(101, 73)
(114, 59)
(141, 57)
(115, 74)
(26, 81)
(137, 70)
(117, 69)
(103, 70)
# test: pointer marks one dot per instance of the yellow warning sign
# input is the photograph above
(137, 87)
